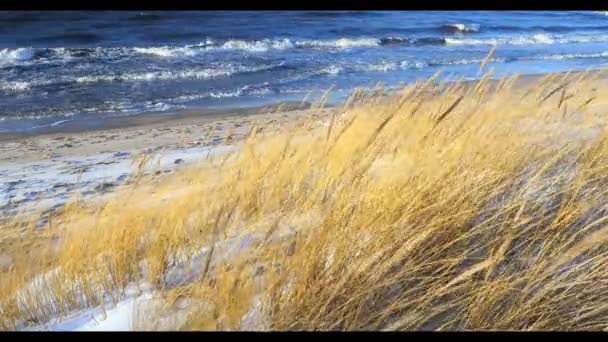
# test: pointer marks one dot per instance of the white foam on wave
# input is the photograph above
(569, 56)
(342, 43)
(165, 51)
(178, 51)
(520, 40)
(224, 94)
(244, 45)
(60, 122)
(387, 66)
(245, 90)
(157, 106)
(464, 27)
(257, 45)
(539, 38)
(262, 45)
(155, 75)
(45, 55)
(15, 55)
(412, 65)
(465, 61)
(206, 73)
(62, 53)
(282, 44)
(28, 56)
(331, 70)
(14, 86)
(35, 117)
(377, 67)
(384, 66)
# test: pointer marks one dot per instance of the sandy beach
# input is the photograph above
(45, 170)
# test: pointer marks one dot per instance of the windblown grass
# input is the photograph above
(441, 207)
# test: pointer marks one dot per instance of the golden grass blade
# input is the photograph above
(487, 59)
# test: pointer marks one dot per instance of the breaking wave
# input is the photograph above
(568, 56)
(165, 51)
(206, 73)
(14, 86)
(15, 55)
(457, 28)
(539, 38)
(342, 43)
(24, 55)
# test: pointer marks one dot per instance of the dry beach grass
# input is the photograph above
(445, 206)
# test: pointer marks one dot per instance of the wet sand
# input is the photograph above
(135, 133)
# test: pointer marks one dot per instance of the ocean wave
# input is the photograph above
(20, 86)
(244, 90)
(224, 94)
(285, 43)
(459, 28)
(57, 123)
(378, 67)
(206, 73)
(390, 66)
(413, 65)
(342, 43)
(157, 106)
(62, 54)
(331, 70)
(384, 66)
(465, 61)
(20, 116)
(394, 41)
(155, 75)
(412, 41)
(257, 45)
(165, 51)
(568, 56)
(539, 38)
(244, 45)
(27, 55)
(14, 86)
(18, 54)
(520, 40)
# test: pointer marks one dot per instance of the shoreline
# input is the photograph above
(198, 114)
(151, 120)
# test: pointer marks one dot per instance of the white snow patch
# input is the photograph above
(117, 317)
(47, 183)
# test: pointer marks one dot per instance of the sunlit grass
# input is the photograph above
(439, 207)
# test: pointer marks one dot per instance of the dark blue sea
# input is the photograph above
(58, 66)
